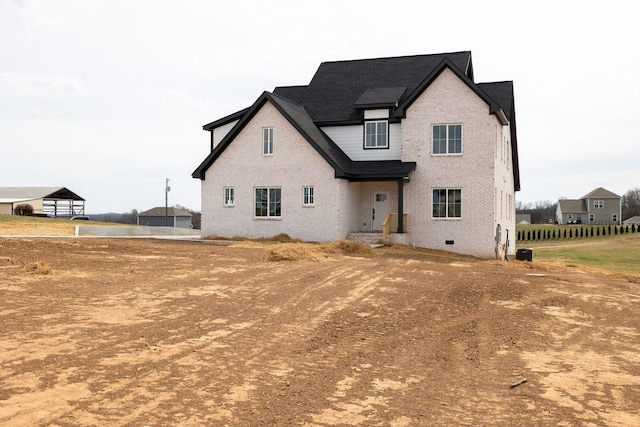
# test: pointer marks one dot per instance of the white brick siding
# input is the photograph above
(483, 172)
(449, 101)
(294, 164)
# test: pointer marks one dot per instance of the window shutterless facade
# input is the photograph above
(447, 139)
(268, 202)
(376, 134)
(599, 204)
(229, 196)
(447, 203)
(267, 141)
(307, 196)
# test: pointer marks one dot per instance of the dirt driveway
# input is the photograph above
(125, 332)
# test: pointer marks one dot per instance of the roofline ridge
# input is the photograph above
(418, 55)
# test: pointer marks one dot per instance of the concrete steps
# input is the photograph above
(368, 237)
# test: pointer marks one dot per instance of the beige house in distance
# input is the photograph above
(365, 143)
(600, 206)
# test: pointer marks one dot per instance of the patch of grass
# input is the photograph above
(616, 254)
(34, 226)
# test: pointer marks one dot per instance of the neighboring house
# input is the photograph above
(365, 143)
(633, 220)
(523, 218)
(180, 218)
(598, 207)
(45, 201)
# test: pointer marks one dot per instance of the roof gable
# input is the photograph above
(601, 193)
(38, 193)
(337, 86)
(298, 117)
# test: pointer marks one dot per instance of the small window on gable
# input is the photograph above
(229, 197)
(375, 134)
(308, 198)
(599, 204)
(267, 141)
(447, 139)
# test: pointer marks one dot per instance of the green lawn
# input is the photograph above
(616, 253)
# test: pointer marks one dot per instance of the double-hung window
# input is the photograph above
(447, 203)
(447, 139)
(307, 196)
(598, 204)
(376, 134)
(229, 197)
(268, 202)
(267, 141)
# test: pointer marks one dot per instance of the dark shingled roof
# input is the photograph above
(161, 212)
(337, 86)
(339, 91)
(380, 97)
(298, 117)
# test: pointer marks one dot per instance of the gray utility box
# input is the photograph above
(524, 254)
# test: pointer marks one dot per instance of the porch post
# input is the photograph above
(401, 205)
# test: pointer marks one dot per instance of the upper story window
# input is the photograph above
(599, 204)
(447, 139)
(376, 134)
(267, 141)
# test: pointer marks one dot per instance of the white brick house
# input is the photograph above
(364, 143)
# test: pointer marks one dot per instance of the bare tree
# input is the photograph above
(631, 203)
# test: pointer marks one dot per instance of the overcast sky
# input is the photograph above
(108, 97)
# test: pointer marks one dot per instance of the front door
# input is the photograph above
(379, 209)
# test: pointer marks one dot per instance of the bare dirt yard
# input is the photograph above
(143, 332)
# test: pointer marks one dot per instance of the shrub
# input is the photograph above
(23, 209)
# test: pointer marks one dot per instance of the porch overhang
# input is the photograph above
(378, 171)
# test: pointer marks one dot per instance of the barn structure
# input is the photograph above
(56, 202)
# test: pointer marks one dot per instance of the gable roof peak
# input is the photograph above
(601, 193)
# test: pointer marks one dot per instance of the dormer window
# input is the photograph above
(376, 134)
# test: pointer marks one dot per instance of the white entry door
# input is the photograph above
(379, 209)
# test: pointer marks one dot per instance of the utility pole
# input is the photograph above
(166, 202)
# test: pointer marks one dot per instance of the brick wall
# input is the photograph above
(294, 164)
(476, 172)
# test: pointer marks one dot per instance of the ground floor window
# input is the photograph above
(228, 196)
(268, 202)
(447, 203)
(307, 196)
(614, 218)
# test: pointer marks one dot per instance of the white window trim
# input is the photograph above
(376, 147)
(267, 217)
(312, 196)
(446, 218)
(447, 153)
(229, 202)
(598, 204)
(267, 141)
